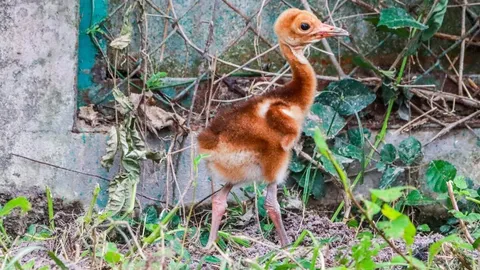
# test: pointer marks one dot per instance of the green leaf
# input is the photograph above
(329, 165)
(410, 150)
(436, 20)
(123, 100)
(388, 153)
(399, 226)
(438, 173)
(19, 202)
(150, 215)
(261, 206)
(346, 96)
(395, 18)
(389, 91)
(372, 208)
(119, 192)
(389, 176)
(374, 19)
(197, 161)
(415, 198)
(155, 156)
(112, 146)
(155, 80)
(470, 218)
(112, 257)
(296, 165)
(460, 182)
(388, 195)
(350, 151)
(355, 136)
(423, 228)
(212, 259)
(476, 244)
(318, 185)
(325, 117)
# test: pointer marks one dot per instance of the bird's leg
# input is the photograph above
(273, 210)
(219, 205)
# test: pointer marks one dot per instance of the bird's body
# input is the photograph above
(253, 142)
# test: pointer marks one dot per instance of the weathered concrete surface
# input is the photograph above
(37, 101)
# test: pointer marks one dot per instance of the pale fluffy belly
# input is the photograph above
(234, 166)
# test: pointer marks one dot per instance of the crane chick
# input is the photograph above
(253, 141)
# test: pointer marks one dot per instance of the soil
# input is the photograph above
(338, 238)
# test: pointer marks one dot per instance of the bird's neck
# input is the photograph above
(301, 89)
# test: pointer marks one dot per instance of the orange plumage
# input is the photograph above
(253, 141)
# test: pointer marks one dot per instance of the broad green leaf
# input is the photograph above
(410, 150)
(318, 185)
(401, 32)
(389, 176)
(436, 20)
(395, 18)
(150, 215)
(112, 146)
(388, 195)
(180, 249)
(476, 244)
(389, 91)
(131, 165)
(388, 153)
(325, 117)
(261, 206)
(120, 192)
(460, 182)
(423, 228)
(18, 202)
(112, 257)
(380, 166)
(439, 172)
(296, 165)
(355, 136)
(372, 208)
(156, 80)
(123, 100)
(155, 156)
(347, 96)
(415, 198)
(400, 225)
(329, 165)
(350, 151)
(212, 259)
(470, 218)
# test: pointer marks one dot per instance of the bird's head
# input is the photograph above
(298, 28)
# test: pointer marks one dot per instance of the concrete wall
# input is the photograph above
(37, 107)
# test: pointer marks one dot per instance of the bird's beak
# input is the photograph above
(324, 30)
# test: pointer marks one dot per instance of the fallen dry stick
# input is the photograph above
(453, 125)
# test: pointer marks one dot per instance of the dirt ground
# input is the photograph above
(339, 239)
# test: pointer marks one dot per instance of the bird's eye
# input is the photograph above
(305, 26)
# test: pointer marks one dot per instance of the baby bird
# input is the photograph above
(253, 142)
